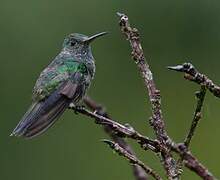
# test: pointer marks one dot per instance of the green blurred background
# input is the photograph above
(31, 34)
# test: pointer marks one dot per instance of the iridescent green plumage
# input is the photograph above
(65, 80)
(56, 73)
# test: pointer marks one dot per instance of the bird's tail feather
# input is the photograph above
(41, 116)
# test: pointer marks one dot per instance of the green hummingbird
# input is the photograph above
(65, 80)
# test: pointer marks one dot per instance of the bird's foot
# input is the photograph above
(72, 106)
(76, 108)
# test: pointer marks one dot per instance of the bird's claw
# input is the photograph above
(79, 108)
(72, 105)
(76, 108)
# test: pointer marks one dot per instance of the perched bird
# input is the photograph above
(65, 80)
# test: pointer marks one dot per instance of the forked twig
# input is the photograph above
(163, 145)
(138, 171)
(132, 159)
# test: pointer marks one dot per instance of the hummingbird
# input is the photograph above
(65, 80)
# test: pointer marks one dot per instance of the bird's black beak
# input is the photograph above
(91, 38)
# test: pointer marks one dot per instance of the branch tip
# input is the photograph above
(175, 68)
(120, 14)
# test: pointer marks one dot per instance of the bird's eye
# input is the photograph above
(73, 43)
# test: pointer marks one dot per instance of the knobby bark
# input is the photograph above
(163, 144)
(138, 171)
(157, 121)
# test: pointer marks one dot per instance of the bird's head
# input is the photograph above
(77, 42)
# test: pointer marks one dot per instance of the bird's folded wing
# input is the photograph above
(69, 89)
(43, 114)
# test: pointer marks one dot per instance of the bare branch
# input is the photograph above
(192, 162)
(200, 95)
(197, 115)
(192, 74)
(147, 143)
(163, 144)
(132, 159)
(157, 121)
(138, 171)
(119, 129)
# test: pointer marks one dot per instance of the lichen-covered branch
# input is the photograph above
(162, 145)
(138, 171)
(147, 143)
(192, 74)
(119, 129)
(192, 162)
(157, 121)
(132, 159)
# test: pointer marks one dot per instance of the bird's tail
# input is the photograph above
(41, 115)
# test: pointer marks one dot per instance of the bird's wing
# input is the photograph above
(44, 112)
(53, 76)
